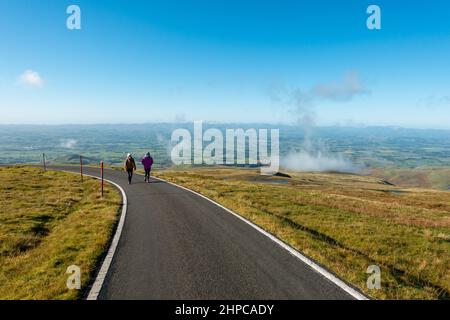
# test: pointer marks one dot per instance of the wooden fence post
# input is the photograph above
(101, 165)
(43, 158)
(81, 167)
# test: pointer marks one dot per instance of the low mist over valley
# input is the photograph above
(328, 149)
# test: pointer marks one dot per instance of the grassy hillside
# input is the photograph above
(345, 222)
(49, 221)
(425, 177)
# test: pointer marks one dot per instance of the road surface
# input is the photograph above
(178, 245)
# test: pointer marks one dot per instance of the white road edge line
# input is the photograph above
(325, 273)
(100, 279)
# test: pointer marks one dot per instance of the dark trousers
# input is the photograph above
(147, 174)
(130, 175)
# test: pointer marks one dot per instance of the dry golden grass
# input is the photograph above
(425, 177)
(345, 222)
(49, 221)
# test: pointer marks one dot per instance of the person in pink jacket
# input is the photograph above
(147, 162)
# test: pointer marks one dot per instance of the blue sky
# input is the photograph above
(242, 61)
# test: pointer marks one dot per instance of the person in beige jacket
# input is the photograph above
(129, 166)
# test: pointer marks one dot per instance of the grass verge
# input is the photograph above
(344, 222)
(48, 222)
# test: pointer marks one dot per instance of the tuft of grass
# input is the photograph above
(48, 222)
(345, 222)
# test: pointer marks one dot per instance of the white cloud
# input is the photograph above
(30, 78)
(317, 161)
(68, 144)
(302, 103)
(342, 90)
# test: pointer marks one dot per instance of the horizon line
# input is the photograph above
(356, 126)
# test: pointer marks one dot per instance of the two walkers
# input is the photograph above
(130, 166)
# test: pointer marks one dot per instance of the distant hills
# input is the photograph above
(369, 147)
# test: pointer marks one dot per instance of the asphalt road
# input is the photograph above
(177, 245)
